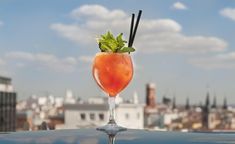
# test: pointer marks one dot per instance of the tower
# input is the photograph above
(150, 95)
(187, 106)
(225, 106)
(206, 112)
(7, 105)
(214, 105)
(207, 103)
(135, 98)
(69, 98)
(173, 103)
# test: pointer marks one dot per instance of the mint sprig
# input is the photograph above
(108, 43)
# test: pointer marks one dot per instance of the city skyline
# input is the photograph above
(182, 46)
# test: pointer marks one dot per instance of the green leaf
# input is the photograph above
(120, 41)
(126, 49)
(108, 43)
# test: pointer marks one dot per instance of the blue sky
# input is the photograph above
(182, 46)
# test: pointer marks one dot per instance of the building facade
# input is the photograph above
(93, 114)
(130, 115)
(7, 105)
(85, 115)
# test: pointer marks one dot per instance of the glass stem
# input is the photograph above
(111, 110)
(111, 139)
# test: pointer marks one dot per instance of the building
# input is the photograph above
(151, 95)
(130, 115)
(151, 115)
(69, 97)
(85, 115)
(7, 105)
(96, 113)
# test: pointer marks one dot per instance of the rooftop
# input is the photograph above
(86, 106)
(5, 80)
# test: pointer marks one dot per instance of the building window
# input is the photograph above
(101, 116)
(92, 116)
(83, 116)
(127, 116)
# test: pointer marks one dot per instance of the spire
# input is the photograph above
(135, 98)
(225, 106)
(173, 103)
(214, 105)
(187, 106)
(207, 99)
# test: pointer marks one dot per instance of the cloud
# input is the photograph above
(20, 65)
(43, 60)
(220, 61)
(86, 59)
(154, 35)
(97, 11)
(20, 55)
(229, 13)
(2, 62)
(179, 6)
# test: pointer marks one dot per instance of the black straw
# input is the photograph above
(136, 26)
(131, 29)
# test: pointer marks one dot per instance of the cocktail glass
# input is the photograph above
(112, 72)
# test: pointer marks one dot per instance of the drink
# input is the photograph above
(113, 68)
(112, 71)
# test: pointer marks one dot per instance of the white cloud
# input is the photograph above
(2, 62)
(20, 55)
(20, 65)
(179, 6)
(220, 61)
(154, 35)
(229, 13)
(67, 64)
(97, 11)
(86, 59)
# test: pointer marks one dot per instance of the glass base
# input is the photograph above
(111, 128)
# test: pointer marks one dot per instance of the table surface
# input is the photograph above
(92, 136)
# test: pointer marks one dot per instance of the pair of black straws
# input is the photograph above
(132, 33)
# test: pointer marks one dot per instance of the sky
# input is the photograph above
(185, 47)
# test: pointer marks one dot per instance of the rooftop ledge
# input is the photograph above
(92, 136)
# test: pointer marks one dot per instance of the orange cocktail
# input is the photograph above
(112, 71)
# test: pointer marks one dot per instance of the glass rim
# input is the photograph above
(105, 53)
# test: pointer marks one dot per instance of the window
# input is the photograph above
(127, 116)
(92, 116)
(101, 116)
(83, 116)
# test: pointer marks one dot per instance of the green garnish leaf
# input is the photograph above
(126, 49)
(108, 43)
